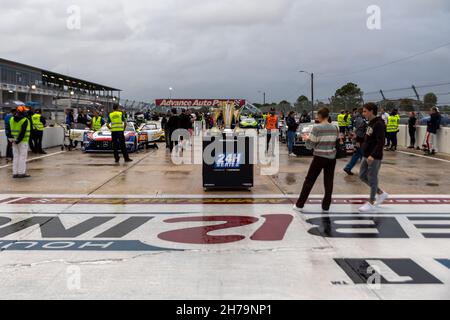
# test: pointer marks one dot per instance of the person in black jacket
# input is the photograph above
(185, 124)
(83, 118)
(372, 156)
(164, 120)
(433, 125)
(172, 125)
(305, 118)
(412, 129)
(9, 150)
(292, 127)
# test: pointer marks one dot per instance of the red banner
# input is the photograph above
(198, 103)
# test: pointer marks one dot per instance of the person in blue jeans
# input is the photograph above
(359, 132)
(292, 127)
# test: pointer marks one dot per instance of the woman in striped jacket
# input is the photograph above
(322, 140)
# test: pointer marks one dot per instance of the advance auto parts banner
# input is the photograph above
(198, 103)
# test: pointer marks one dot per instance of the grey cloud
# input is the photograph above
(222, 48)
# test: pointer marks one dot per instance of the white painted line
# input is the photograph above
(317, 197)
(37, 158)
(421, 156)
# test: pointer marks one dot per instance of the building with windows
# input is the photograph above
(44, 88)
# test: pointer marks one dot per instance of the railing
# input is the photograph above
(49, 91)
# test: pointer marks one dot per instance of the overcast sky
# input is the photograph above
(231, 48)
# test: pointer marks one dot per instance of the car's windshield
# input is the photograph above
(150, 127)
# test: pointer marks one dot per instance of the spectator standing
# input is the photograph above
(69, 118)
(9, 150)
(342, 123)
(433, 125)
(305, 117)
(37, 129)
(173, 124)
(393, 127)
(83, 118)
(164, 127)
(412, 129)
(322, 139)
(292, 127)
(19, 136)
(271, 125)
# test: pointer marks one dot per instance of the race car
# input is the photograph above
(153, 130)
(299, 144)
(248, 123)
(101, 141)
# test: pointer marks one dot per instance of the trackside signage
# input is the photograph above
(198, 103)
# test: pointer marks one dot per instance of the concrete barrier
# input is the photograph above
(443, 138)
(53, 137)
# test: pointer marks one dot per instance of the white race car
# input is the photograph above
(153, 130)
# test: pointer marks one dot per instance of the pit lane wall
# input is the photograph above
(53, 137)
(443, 138)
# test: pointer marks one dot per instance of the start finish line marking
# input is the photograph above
(68, 200)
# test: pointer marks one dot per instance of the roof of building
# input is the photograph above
(51, 76)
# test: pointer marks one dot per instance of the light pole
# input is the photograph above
(312, 91)
(170, 93)
(264, 97)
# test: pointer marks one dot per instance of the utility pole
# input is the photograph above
(418, 99)
(312, 91)
(312, 95)
(416, 93)
(264, 96)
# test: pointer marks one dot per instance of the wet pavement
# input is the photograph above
(85, 228)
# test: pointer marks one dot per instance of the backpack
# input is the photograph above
(361, 127)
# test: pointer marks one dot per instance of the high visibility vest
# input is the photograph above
(37, 124)
(117, 123)
(271, 122)
(16, 127)
(96, 123)
(393, 123)
(349, 121)
(341, 120)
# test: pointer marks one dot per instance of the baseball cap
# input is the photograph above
(22, 109)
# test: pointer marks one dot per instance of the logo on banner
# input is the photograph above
(228, 161)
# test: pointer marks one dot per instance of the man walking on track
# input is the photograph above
(372, 157)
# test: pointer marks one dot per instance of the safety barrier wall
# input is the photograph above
(443, 138)
(53, 137)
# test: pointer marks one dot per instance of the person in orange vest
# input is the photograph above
(271, 125)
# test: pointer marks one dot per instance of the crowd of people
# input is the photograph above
(373, 132)
(324, 139)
